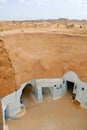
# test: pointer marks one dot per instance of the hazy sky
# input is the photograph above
(42, 9)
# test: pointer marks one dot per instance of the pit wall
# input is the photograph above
(12, 103)
(7, 74)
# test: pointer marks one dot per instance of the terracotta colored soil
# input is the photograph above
(7, 80)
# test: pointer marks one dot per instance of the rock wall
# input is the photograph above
(7, 80)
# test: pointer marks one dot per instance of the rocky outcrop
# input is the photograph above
(7, 80)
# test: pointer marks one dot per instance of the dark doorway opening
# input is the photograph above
(70, 87)
(46, 93)
(28, 97)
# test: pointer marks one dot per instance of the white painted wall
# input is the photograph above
(72, 77)
(55, 85)
(5, 127)
(12, 105)
(81, 95)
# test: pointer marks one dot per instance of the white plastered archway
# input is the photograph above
(71, 76)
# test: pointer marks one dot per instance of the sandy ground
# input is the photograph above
(55, 26)
(60, 114)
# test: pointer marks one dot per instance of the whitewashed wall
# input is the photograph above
(81, 93)
(12, 101)
(5, 127)
(72, 77)
(12, 105)
(55, 85)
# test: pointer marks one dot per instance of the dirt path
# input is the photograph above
(60, 114)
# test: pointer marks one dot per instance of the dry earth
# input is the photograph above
(58, 26)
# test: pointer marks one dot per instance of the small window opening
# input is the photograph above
(82, 89)
(63, 81)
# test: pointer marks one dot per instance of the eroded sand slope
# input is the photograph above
(7, 80)
(44, 55)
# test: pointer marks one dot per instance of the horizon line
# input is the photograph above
(49, 19)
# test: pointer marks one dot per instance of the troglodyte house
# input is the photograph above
(50, 63)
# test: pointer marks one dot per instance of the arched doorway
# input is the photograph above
(71, 79)
(28, 97)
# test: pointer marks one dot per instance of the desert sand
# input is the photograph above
(60, 114)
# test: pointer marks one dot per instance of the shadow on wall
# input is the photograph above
(28, 97)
